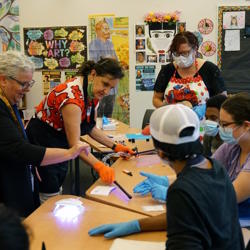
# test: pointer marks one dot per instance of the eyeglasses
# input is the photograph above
(23, 84)
(185, 54)
(226, 124)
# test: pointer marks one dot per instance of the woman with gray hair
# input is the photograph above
(18, 185)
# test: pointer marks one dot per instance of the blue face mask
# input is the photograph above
(211, 128)
(226, 134)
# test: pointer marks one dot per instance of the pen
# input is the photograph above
(125, 171)
(43, 246)
(123, 190)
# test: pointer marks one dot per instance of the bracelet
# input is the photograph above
(114, 146)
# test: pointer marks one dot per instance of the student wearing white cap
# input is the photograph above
(201, 204)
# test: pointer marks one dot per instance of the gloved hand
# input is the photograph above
(106, 173)
(159, 192)
(117, 230)
(125, 149)
(143, 188)
(200, 110)
(153, 178)
(146, 130)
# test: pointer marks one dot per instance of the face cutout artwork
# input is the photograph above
(161, 35)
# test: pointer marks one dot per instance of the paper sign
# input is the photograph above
(153, 208)
(232, 40)
(148, 160)
(121, 244)
(102, 190)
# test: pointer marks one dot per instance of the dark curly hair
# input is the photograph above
(105, 66)
(183, 37)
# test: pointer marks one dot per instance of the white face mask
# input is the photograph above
(184, 62)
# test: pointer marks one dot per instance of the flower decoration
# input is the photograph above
(162, 17)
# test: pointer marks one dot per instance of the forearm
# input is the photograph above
(54, 155)
(157, 102)
(155, 223)
(89, 159)
(101, 137)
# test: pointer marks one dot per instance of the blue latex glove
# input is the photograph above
(159, 192)
(200, 110)
(153, 178)
(143, 188)
(117, 230)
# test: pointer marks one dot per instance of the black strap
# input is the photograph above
(16, 111)
(85, 94)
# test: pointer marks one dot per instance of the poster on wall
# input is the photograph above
(56, 47)
(9, 25)
(234, 20)
(145, 77)
(69, 74)
(50, 80)
(108, 36)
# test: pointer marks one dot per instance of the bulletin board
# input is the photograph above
(234, 47)
(56, 48)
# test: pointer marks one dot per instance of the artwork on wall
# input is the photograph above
(69, 74)
(152, 41)
(208, 48)
(108, 37)
(234, 20)
(199, 37)
(56, 47)
(181, 27)
(50, 78)
(9, 25)
(145, 77)
(205, 26)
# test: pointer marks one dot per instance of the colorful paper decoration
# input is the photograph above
(56, 47)
(208, 48)
(205, 26)
(199, 37)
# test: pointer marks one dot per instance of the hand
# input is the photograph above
(78, 148)
(143, 188)
(117, 230)
(200, 110)
(146, 130)
(106, 173)
(125, 149)
(187, 103)
(159, 192)
(153, 178)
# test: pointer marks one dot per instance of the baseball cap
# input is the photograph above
(175, 124)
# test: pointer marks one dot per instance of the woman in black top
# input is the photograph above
(18, 186)
(187, 79)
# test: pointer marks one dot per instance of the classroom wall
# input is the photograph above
(45, 13)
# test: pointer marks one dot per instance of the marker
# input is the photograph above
(123, 190)
(43, 246)
(125, 171)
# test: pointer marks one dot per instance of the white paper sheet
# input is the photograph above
(232, 40)
(121, 244)
(153, 208)
(102, 190)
